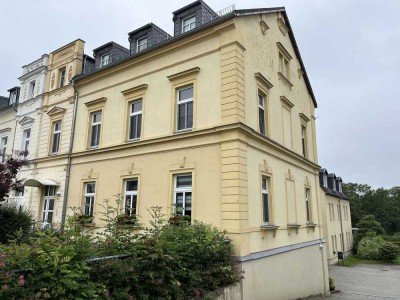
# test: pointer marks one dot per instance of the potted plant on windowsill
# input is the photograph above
(125, 219)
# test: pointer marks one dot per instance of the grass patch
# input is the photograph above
(355, 260)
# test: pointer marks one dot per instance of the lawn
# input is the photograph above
(355, 260)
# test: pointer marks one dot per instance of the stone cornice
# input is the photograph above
(304, 118)
(134, 90)
(242, 128)
(193, 71)
(96, 102)
(260, 77)
(284, 51)
(56, 111)
(286, 102)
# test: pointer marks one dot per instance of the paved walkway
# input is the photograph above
(369, 282)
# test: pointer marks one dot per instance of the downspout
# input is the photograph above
(341, 224)
(68, 171)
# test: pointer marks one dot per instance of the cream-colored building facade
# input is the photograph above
(46, 180)
(219, 120)
(337, 217)
(8, 111)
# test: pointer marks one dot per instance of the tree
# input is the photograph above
(8, 174)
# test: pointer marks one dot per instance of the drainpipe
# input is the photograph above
(341, 224)
(68, 171)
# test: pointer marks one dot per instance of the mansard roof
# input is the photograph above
(217, 20)
(327, 189)
(111, 44)
(149, 25)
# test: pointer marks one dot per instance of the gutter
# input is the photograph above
(68, 171)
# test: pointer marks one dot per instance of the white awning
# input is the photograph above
(40, 182)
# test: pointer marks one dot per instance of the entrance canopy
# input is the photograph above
(40, 182)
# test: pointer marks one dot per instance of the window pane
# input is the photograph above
(261, 120)
(188, 204)
(181, 116)
(50, 217)
(189, 115)
(90, 188)
(179, 199)
(131, 185)
(265, 208)
(139, 126)
(184, 181)
(96, 117)
(264, 184)
(186, 93)
(261, 100)
(137, 106)
(56, 142)
(51, 204)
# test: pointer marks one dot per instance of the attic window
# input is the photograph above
(105, 60)
(325, 180)
(13, 97)
(188, 24)
(142, 44)
(334, 184)
(339, 186)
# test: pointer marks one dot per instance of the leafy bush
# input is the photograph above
(12, 220)
(369, 247)
(376, 248)
(388, 252)
(366, 226)
(331, 284)
(163, 262)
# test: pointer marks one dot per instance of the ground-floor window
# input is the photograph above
(130, 196)
(90, 189)
(48, 204)
(183, 194)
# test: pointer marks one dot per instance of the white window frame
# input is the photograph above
(91, 196)
(261, 107)
(190, 25)
(56, 133)
(3, 147)
(46, 204)
(325, 180)
(26, 141)
(104, 60)
(308, 205)
(184, 102)
(62, 77)
(132, 210)
(95, 124)
(32, 85)
(184, 191)
(265, 191)
(13, 97)
(334, 184)
(141, 46)
(131, 116)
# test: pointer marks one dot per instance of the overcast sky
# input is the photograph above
(350, 50)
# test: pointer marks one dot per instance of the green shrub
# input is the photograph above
(376, 248)
(12, 220)
(369, 247)
(388, 252)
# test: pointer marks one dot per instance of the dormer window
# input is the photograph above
(340, 186)
(13, 97)
(141, 44)
(334, 185)
(32, 89)
(325, 180)
(188, 24)
(105, 60)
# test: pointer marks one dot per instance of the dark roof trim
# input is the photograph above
(296, 49)
(112, 44)
(88, 57)
(187, 6)
(333, 193)
(152, 25)
(14, 89)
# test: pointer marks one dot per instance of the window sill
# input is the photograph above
(311, 226)
(183, 131)
(268, 227)
(132, 140)
(293, 227)
(285, 80)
